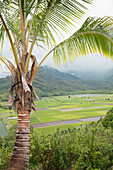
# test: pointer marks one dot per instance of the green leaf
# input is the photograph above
(94, 36)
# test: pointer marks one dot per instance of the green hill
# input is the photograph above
(49, 81)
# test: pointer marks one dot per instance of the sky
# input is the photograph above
(99, 8)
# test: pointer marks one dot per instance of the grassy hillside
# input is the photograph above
(49, 81)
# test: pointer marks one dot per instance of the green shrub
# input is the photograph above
(6, 147)
(90, 147)
(5, 153)
(108, 119)
(84, 148)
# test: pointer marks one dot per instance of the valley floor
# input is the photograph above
(65, 111)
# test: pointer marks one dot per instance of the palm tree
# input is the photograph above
(30, 22)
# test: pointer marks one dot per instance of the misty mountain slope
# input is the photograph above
(109, 76)
(49, 81)
(59, 74)
(103, 75)
(5, 85)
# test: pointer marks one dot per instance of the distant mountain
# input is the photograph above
(50, 81)
(5, 85)
(109, 75)
(58, 74)
(93, 75)
(103, 75)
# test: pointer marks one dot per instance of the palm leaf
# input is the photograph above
(94, 36)
(9, 65)
(60, 14)
(12, 44)
(33, 67)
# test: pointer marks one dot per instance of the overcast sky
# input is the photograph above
(98, 8)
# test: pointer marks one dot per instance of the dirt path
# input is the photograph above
(104, 103)
(66, 122)
(71, 109)
(5, 121)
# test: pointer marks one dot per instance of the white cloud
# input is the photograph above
(101, 8)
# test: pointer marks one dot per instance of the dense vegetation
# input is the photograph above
(89, 147)
(51, 82)
(108, 119)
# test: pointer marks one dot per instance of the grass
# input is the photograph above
(49, 119)
(5, 111)
(11, 115)
(33, 115)
(34, 120)
(48, 112)
(77, 115)
(12, 122)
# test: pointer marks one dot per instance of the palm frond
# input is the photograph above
(53, 15)
(2, 35)
(94, 36)
(33, 68)
(12, 44)
(10, 15)
(10, 66)
(61, 13)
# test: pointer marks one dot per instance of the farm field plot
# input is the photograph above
(52, 129)
(60, 108)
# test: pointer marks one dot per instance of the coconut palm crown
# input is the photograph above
(37, 22)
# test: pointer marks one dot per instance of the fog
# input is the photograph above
(94, 62)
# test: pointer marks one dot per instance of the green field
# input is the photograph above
(61, 108)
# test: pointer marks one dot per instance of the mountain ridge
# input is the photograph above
(52, 82)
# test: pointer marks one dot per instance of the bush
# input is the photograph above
(5, 154)
(84, 148)
(108, 119)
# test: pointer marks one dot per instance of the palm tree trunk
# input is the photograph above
(20, 155)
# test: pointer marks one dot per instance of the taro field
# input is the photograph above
(63, 112)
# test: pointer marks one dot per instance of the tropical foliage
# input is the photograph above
(92, 37)
(80, 148)
(29, 22)
(108, 119)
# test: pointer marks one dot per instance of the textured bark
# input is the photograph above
(20, 155)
